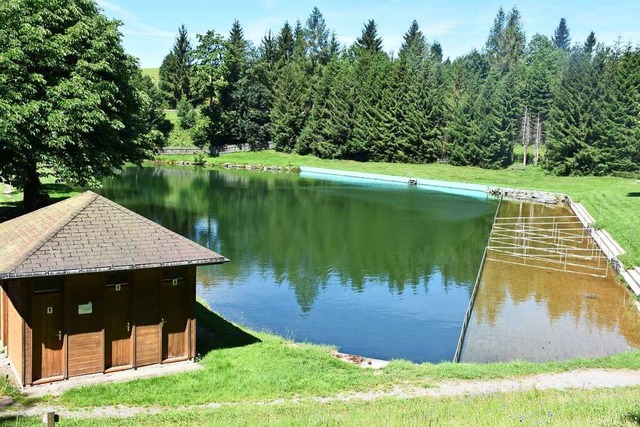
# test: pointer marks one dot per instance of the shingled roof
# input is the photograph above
(89, 233)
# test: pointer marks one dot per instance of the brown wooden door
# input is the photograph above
(174, 319)
(117, 326)
(47, 318)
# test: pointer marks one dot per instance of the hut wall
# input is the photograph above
(15, 327)
(146, 303)
(84, 324)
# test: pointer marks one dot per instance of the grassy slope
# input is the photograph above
(613, 202)
(151, 72)
(178, 137)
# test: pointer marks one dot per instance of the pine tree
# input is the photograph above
(413, 41)
(561, 37)
(253, 99)
(285, 43)
(590, 43)
(493, 45)
(316, 36)
(369, 40)
(175, 71)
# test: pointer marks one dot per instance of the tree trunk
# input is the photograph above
(31, 188)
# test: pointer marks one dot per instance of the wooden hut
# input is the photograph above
(88, 286)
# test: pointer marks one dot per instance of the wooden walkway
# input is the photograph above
(609, 247)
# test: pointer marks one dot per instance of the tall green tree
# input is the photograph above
(561, 37)
(208, 82)
(285, 41)
(69, 95)
(175, 71)
(316, 36)
(590, 43)
(369, 40)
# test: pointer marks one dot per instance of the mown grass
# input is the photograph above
(241, 365)
(613, 202)
(619, 407)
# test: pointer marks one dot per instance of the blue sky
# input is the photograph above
(150, 26)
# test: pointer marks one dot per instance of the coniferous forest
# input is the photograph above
(572, 105)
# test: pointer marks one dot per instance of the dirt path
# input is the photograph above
(582, 380)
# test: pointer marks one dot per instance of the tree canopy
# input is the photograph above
(305, 93)
(70, 97)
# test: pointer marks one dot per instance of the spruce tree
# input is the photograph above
(413, 41)
(590, 43)
(369, 40)
(285, 43)
(561, 37)
(316, 36)
(175, 72)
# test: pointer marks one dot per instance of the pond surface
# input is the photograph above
(548, 306)
(384, 271)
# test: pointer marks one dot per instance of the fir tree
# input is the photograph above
(369, 40)
(175, 72)
(590, 43)
(561, 37)
(285, 43)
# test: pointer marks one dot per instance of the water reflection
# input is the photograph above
(539, 314)
(380, 271)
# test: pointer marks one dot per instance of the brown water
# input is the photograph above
(561, 304)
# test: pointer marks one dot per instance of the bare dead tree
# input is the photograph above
(526, 134)
(538, 142)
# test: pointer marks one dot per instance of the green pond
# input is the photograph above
(381, 270)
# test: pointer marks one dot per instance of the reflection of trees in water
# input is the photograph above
(309, 232)
(601, 304)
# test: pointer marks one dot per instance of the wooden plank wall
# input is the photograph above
(146, 313)
(85, 344)
(15, 328)
(84, 333)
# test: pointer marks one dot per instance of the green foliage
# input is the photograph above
(175, 72)
(306, 94)
(69, 95)
(186, 114)
(369, 40)
(561, 37)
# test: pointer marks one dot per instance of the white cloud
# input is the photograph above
(133, 25)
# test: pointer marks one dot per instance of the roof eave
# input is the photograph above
(106, 269)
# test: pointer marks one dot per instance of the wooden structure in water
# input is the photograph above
(88, 286)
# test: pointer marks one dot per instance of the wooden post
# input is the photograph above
(50, 419)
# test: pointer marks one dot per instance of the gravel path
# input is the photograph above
(583, 379)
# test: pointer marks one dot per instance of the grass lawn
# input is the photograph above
(554, 408)
(247, 366)
(613, 202)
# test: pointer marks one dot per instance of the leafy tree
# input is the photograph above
(208, 81)
(69, 95)
(174, 73)
(561, 37)
(369, 40)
